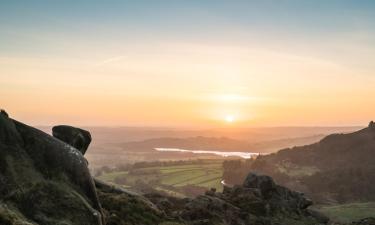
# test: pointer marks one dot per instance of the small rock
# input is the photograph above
(4, 113)
(371, 125)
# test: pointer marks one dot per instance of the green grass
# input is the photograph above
(349, 212)
(199, 180)
(215, 183)
(207, 175)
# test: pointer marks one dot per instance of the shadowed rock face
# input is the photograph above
(76, 137)
(43, 180)
(262, 182)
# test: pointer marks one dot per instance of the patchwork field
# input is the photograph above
(178, 180)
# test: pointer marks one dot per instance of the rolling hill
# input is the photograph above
(339, 168)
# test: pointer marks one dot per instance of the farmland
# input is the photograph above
(177, 180)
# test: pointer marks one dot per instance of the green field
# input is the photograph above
(172, 179)
(349, 212)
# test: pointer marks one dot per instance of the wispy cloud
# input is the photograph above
(109, 60)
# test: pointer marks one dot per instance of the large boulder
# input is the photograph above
(262, 182)
(43, 180)
(76, 137)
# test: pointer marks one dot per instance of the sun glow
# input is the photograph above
(229, 118)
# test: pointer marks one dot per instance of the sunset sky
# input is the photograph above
(188, 63)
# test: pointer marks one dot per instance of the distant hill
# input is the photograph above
(107, 147)
(339, 168)
(214, 143)
(204, 143)
(334, 151)
(105, 135)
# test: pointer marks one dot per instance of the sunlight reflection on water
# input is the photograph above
(245, 155)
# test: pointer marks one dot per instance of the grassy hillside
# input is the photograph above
(338, 169)
(349, 212)
(178, 180)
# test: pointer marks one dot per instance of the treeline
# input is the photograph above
(234, 171)
(353, 184)
(343, 185)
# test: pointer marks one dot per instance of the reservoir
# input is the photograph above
(245, 155)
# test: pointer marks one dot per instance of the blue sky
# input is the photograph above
(283, 61)
(188, 20)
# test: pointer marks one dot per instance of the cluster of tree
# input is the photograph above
(235, 171)
(343, 185)
(343, 165)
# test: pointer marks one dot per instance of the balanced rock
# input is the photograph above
(76, 137)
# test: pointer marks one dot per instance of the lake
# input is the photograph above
(245, 155)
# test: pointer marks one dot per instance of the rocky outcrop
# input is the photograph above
(43, 180)
(277, 196)
(258, 201)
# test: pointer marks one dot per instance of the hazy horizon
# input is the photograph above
(196, 63)
(197, 127)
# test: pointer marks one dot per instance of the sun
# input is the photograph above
(229, 118)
